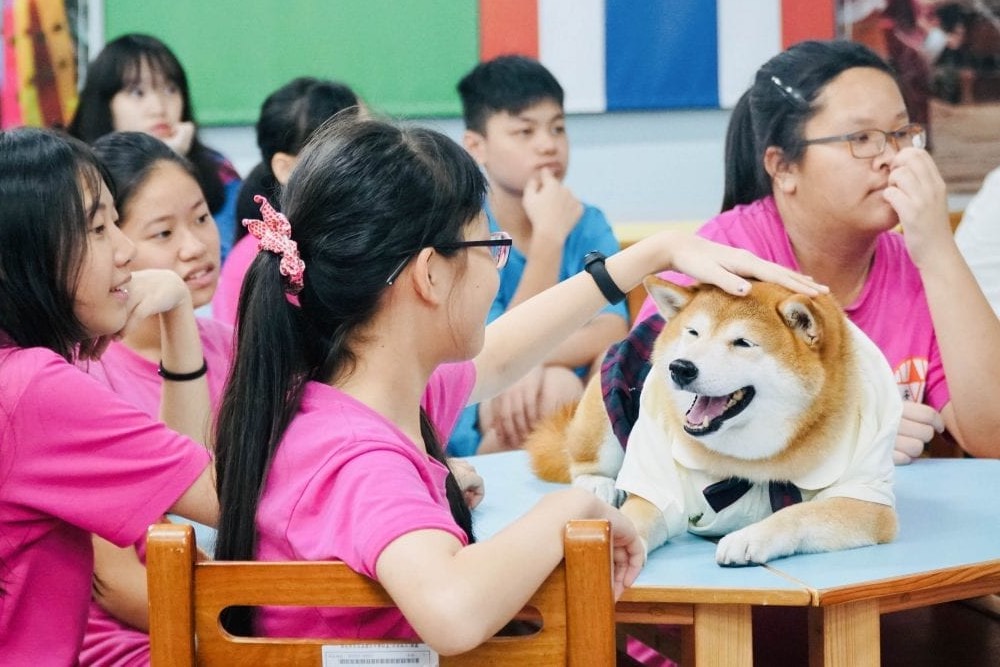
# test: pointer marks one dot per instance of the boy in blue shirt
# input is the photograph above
(516, 131)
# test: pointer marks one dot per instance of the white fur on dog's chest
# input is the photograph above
(668, 471)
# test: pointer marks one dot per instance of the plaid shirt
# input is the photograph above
(623, 372)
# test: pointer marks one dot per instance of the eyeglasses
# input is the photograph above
(871, 143)
(499, 244)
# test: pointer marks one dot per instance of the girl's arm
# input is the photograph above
(967, 329)
(589, 342)
(120, 577)
(200, 502)
(120, 583)
(526, 334)
(457, 597)
(184, 406)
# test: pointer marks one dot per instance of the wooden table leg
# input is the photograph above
(723, 635)
(845, 635)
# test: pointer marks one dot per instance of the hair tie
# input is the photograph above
(790, 93)
(274, 234)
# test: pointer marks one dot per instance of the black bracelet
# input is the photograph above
(593, 263)
(182, 377)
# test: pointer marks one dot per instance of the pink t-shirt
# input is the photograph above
(108, 641)
(891, 309)
(227, 292)
(344, 483)
(75, 459)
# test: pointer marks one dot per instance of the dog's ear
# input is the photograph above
(803, 318)
(669, 297)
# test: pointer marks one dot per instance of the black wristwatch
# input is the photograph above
(593, 263)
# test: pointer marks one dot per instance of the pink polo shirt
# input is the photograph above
(891, 309)
(75, 459)
(344, 483)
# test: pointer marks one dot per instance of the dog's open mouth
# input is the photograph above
(708, 413)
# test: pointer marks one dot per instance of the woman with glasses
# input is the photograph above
(822, 165)
(329, 439)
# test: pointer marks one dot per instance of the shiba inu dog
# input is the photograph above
(767, 420)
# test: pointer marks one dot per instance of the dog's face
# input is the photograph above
(744, 373)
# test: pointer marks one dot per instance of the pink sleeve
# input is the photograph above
(367, 500)
(446, 395)
(81, 453)
(234, 269)
(217, 345)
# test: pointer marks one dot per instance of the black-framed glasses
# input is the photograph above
(499, 244)
(867, 144)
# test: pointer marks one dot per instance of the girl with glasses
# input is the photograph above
(329, 439)
(823, 164)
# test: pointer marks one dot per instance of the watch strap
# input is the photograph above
(593, 263)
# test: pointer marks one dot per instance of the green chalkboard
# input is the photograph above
(403, 57)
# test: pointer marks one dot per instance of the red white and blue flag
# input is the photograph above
(651, 54)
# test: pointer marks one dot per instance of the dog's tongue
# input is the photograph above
(708, 407)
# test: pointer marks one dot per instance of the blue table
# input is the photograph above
(948, 548)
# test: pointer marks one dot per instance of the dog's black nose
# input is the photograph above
(683, 372)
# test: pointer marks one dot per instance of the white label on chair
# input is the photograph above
(379, 655)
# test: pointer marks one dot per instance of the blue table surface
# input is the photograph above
(949, 515)
(685, 562)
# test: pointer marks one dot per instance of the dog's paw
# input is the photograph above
(602, 487)
(753, 545)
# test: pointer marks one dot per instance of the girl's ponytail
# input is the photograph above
(261, 396)
(745, 180)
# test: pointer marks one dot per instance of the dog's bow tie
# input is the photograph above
(723, 494)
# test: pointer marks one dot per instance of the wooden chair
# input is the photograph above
(575, 605)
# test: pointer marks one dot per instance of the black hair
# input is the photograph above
(507, 83)
(364, 195)
(288, 117)
(129, 158)
(44, 234)
(118, 66)
(775, 109)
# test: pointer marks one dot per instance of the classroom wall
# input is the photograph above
(651, 162)
(637, 167)
(660, 164)
(618, 55)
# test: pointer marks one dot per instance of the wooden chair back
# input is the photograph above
(575, 605)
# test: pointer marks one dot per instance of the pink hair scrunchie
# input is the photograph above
(274, 234)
